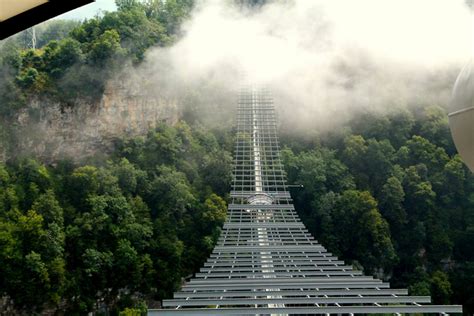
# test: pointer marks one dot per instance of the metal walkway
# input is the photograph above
(265, 261)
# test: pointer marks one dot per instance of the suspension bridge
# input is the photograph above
(265, 261)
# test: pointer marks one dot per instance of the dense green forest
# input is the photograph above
(386, 193)
(78, 238)
(390, 194)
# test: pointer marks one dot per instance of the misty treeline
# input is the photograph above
(389, 194)
(75, 59)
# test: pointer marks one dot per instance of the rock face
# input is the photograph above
(52, 131)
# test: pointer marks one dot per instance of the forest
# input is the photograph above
(387, 192)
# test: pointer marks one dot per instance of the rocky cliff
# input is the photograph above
(52, 131)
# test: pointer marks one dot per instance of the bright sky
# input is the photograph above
(89, 10)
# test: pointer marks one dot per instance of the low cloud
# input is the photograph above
(324, 60)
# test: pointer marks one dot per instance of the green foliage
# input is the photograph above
(441, 288)
(104, 48)
(132, 312)
(71, 237)
(435, 127)
(75, 59)
(421, 288)
(361, 232)
(59, 56)
(403, 206)
(391, 203)
(28, 78)
(215, 210)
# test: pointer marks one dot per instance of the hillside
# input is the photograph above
(114, 179)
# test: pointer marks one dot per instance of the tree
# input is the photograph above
(215, 210)
(80, 184)
(28, 78)
(440, 288)
(391, 204)
(33, 180)
(324, 225)
(34, 278)
(420, 282)
(434, 126)
(361, 231)
(421, 150)
(8, 199)
(420, 197)
(104, 48)
(401, 127)
(453, 180)
(48, 207)
(130, 179)
(216, 172)
(171, 195)
(60, 56)
(380, 154)
(52, 249)
(355, 149)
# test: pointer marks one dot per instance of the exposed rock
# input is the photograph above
(52, 131)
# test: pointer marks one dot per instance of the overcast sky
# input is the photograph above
(89, 10)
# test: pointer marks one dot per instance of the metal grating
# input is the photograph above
(265, 261)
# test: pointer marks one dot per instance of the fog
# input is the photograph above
(323, 60)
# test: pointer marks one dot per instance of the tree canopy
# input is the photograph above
(397, 201)
(76, 237)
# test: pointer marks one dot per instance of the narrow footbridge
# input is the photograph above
(266, 262)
